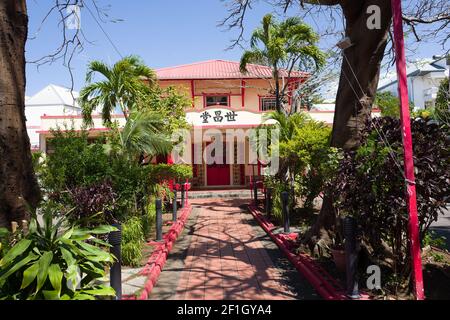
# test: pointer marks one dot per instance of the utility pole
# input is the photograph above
(411, 200)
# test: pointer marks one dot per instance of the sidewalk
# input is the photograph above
(225, 255)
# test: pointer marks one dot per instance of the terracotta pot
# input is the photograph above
(339, 258)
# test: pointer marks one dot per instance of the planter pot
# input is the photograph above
(339, 259)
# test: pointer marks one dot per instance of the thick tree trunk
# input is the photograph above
(18, 186)
(356, 92)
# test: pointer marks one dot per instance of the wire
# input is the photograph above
(104, 31)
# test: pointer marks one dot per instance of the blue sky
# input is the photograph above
(162, 32)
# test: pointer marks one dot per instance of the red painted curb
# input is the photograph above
(158, 258)
(328, 287)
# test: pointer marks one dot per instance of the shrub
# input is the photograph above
(74, 162)
(132, 241)
(94, 204)
(55, 263)
(148, 220)
(371, 186)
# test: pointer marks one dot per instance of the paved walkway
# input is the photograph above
(228, 257)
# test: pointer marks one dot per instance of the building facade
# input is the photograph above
(51, 100)
(227, 106)
(424, 77)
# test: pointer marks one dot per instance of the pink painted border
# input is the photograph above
(157, 260)
(328, 287)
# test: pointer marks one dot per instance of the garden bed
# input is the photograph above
(325, 285)
(328, 281)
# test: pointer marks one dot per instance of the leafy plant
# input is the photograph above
(389, 104)
(431, 239)
(75, 161)
(282, 45)
(132, 241)
(56, 262)
(94, 205)
(371, 187)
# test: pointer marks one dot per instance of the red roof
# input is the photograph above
(219, 69)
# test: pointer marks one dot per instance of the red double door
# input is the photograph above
(219, 174)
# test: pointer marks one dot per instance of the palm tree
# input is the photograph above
(124, 85)
(144, 132)
(282, 46)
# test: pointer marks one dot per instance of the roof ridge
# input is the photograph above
(189, 64)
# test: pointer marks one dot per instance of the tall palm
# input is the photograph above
(124, 84)
(282, 45)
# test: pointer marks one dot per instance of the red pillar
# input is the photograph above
(408, 150)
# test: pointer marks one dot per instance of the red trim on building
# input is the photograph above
(89, 130)
(193, 93)
(96, 116)
(243, 83)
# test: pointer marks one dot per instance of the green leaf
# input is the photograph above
(104, 291)
(81, 296)
(31, 256)
(98, 230)
(68, 257)
(73, 277)
(51, 295)
(15, 251)
(44, 263)
(55, 275)
(29, 275)
(68, 234)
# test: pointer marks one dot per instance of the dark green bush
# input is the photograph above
(371, 187)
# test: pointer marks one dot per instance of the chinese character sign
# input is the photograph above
(229, 116)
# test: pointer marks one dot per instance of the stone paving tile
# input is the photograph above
(225, 259)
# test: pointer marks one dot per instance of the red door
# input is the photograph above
(218, 174)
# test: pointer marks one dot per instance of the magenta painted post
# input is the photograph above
(408, 150)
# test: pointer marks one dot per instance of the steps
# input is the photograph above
(236, 193)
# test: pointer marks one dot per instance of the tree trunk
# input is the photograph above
(18, 186)
(356, 92)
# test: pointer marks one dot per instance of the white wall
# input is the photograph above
(33, 115)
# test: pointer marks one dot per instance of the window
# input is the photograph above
(217, 101)
(268, 103)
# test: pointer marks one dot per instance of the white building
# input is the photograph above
(51, 101)
(424, 77)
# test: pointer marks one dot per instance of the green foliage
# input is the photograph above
(443, 96)
(170, 104)
(306, 159)
(132, 241)
(371, 187)
(161, 172)
(282, 45)
(431, 239)
(56, 261)
(124, 84)
(389, 104)
(74, 162)
(143, 134)
(148, 220)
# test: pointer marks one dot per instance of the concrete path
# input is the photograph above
(224, 255)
